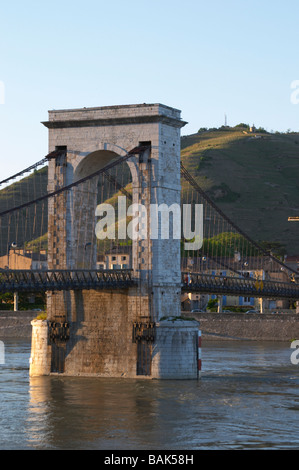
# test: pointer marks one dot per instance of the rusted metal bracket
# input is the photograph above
(144, 331)
(58, 331)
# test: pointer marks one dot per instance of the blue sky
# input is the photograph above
(208, 59)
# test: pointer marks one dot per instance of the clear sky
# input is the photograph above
(207, 58)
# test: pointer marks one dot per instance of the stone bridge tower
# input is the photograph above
(127, 332)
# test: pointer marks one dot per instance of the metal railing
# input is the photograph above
(36, 280)
(248, 287)
(78, 279)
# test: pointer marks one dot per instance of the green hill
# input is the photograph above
(252, 177)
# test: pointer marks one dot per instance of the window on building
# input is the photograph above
(115, 266)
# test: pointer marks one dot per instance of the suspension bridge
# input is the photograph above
(107, 225)
(220, 266)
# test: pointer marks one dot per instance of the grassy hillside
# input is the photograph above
(253, 177)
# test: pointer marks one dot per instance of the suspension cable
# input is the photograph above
(186, 175)
(70, 186)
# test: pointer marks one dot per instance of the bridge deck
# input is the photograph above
(53, 280)
(248, 287)
(78, 279)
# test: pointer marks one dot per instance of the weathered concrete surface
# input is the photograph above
(272, 327)
(257, 327)
(40, 359)
(16, 324)
(101, 341)
(173, 352)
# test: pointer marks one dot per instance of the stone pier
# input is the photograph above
(125, 333)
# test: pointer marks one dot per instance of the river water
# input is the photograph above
(247, 398)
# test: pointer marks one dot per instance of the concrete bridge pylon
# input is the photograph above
(135, 332)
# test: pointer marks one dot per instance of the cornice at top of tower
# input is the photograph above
(114, 115)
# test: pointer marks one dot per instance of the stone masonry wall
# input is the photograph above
(101, 334)
(16, 324)
(257, 327)
(175, 351)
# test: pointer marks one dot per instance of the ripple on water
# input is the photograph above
(247, 398)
